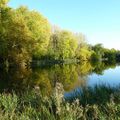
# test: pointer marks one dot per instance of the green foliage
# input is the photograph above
(8, 102)
(3, 3)
(110, 55)
(103, 54)
(23, 34)
(95, 57)
(91, 103)
(63, 45)
(39, 28)
(98, 48)
(14, 44)
(118, 56)
(66, 45)
(99, 52)
(83, 54)
(26, 35)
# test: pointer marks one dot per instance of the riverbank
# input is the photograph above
(39, 63)
(101, 103)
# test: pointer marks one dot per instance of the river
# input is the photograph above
(71, 76)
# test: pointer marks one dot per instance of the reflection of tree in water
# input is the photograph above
(15, 79)
(71, 76)
(40, 78)
(84, 68)
(65, 74)
(99, 67)
(47, 78)
(83, 71)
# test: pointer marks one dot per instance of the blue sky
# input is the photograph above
(99, 20)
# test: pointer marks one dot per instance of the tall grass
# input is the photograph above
(100, 103)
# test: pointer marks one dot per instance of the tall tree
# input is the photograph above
(83, 52)
(63, 45)
(39, 28)
(23, 34)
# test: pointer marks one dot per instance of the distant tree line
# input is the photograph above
(26, 35)
(103, 54)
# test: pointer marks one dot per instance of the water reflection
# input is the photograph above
(14, 78)
(45, 78)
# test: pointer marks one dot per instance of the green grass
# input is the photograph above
(100, 103)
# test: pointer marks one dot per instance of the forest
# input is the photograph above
(27, 36)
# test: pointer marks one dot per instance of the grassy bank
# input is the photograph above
(99, 104)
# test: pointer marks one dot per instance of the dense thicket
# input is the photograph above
(26, 35)
(23, 35)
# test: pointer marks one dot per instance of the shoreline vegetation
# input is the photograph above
(27, 36)
(90, 104)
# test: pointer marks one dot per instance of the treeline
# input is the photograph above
(103, 54)
(26, 36)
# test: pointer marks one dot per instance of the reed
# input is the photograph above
(99, 103)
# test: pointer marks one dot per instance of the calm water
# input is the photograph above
(71, 76)
(110, 77)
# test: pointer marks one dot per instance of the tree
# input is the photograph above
(95, 57)
(40, 31)
(83, 52)
(110, 55)
(23, 34)
(4, 18)
(63, 45)
(99, 51)
(15, 38)
(118, 56)
(3, 3)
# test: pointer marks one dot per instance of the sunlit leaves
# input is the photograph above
(63, 45)
(39, 28)
(23, 34)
